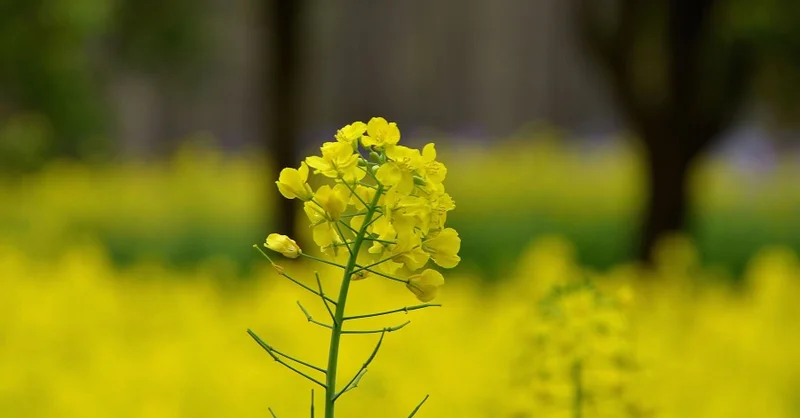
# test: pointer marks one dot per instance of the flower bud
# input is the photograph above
(283, 244)
(425, 285)
(360, 275)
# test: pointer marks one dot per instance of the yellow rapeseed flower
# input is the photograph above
(338, 160)
(408, 251)
(440, 205)
(384, 230)
(399, 171)
(413, 211)
(324, 212)
(425, 285)
(326, 236)
(292, 183)
(443, 247)
(283, 244)
(381, 133)
(363, 194)
(433, 171)
(351, 133)
(332, 200)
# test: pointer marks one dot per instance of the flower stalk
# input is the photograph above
(397, 205)
(338, 316)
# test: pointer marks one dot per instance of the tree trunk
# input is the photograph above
(284, 31)
(667, 207)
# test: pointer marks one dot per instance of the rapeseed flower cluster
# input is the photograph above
(394, 200)
(382, 214)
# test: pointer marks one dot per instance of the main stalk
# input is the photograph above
(336, 331)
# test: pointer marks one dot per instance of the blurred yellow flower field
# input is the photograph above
(85, 335)
(80, 338)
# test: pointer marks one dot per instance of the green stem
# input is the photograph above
(577, 406)
(336, 332)
(414, 412)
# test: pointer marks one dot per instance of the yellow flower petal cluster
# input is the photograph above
(394, 202)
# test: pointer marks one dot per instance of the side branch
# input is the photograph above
(375, 331)
(414, 412)
(405, 309)
(357, 378)
(280, 271)
(378, 273)
(310, 319)
(322, 294)
(275, 353)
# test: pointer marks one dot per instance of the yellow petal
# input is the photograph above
(324, 236)
(357, 221)
(389, 174)
(313, 210)
(444, 248)
(303, 171)
(429, 152)
(406, 183)
(318, 163)
(376, 125)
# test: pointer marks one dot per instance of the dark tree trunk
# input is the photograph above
(283, 29)
(667, 208)
(704, 82)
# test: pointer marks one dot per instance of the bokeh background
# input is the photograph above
(631, 166)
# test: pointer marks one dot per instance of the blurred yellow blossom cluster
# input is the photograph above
(576, 358)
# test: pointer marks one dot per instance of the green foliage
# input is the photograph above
(771, 29)
(44, 68)
(54, 58)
